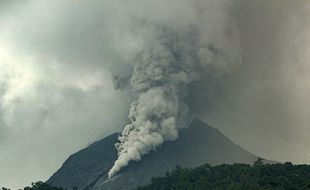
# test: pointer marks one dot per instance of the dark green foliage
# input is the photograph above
(39, 186)
(235, 177)
(42, 186)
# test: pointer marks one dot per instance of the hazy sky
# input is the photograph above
(57, 59)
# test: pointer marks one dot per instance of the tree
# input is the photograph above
(235, 177)
(259, 162)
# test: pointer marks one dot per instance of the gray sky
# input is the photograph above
(57, 59)
(266, 105)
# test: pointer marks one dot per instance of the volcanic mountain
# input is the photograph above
(198, 144)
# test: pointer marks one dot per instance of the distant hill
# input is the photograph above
(235, 177)
(196, 145)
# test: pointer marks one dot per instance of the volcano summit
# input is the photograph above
(198, 144)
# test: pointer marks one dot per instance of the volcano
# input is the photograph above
(198, 144)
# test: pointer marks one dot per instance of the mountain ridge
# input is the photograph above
(196, 145)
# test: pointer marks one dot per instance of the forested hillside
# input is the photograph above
(235, 177)
(225, 177)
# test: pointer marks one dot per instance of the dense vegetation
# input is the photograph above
(38, 186)
(225, 177)
(235, 177)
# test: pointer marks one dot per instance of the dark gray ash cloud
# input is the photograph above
(240, 65)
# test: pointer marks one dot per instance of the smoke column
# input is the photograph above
(172, 58)
(55, 76)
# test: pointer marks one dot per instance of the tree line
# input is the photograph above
(258, 176)
(235, 177)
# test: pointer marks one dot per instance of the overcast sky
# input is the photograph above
(58, 58)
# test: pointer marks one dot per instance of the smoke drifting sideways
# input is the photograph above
(172, 57)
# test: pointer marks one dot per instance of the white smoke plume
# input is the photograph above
(57, 59)
(155, 50)
(172, 58)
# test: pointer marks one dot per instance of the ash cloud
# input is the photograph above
(168, 63)
(172, 57)
(59, 60)
(240, 65)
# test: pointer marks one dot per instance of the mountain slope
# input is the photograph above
(198, 144)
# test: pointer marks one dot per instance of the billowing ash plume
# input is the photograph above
(170, 61)
(54, 76)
